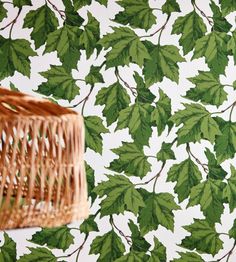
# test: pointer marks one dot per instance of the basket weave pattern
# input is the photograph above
(42, 173)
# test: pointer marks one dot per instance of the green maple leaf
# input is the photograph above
(60, 84)
(161, 113)
(137, 118)
(139, 243)
(209, 194)
(163, 63)
(165, 152)
(158, 210)
(197, 124)
(213, 47)
(228, 6)
(3, 12)
(232, 231)
(115, 98)
(121, 196)
(43, 21)
(90, 36)
(229, 192)
(65, 41)
(231, 47)
(94, 76)
(225, 144)
(71, 15)
(144, 95)
(59, 237)
(208, 89)
(170, 6)
(191, 27)
(8, 249)
(14, 56)
(158, 254)
(81, 3)
(215, 170)
(21, 3)
(187, 175)
(188, 256)
(89, 225)
(91, 181)
(220, 23)
(137, 13)
(133, 256)
(126, 48)
(109, 247)
(132, 160)
(38, 254)
(203, 238)
(93, 130)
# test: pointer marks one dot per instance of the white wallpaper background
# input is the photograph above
(113, 139)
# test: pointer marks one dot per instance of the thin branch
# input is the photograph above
(224, 110)
(204, 166)
(231, 111)
(157, 175)
(202, 13)
(7, 2)
(127, 238)
(60, 12)
(228, 254)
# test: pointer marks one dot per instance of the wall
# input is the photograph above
(160, 118)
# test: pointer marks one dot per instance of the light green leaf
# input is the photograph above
(3, 12)
(197, 124)
(158, 210)
(170, 6)
(188, 256)
(93, 130)
(109, 247)
(60, 84)
(161, 113)
(43, 21)
(136, 13)
(90, 36)
(209, 195)
(220, 23)
(191, 27)
(133, 256)
(225, 145)
(120, 196)
(8, 250)
(115, 98)
(65, 41)
(213, 47)
(229, 192)
(126, 48)
(59, 237)
(203, 238)
(89, 225)
(132, 160)
(231, 46)
(208, 89)
(21, 3)
(187, 175)
(158, 254)
(14, 56)
(38, 254)
(228, 6)
(163, 63)
(94, 76)
(165, 152)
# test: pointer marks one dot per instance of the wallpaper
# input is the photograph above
(156, 84)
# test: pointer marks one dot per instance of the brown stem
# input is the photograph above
(231, 111)
(228, 254)
(224, 110)
(127, 238)
(60, 12)
(7, 2)
(157, 175)
(202, 13)
(204, 166)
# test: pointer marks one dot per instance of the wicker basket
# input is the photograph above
(42, 175)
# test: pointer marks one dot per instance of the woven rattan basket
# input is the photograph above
(42, 175)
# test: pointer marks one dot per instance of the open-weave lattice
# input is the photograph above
(42, 174)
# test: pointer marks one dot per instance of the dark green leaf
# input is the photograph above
(229, 192)
(43, 21)
(60, 84)
(191, 27)
(89, 225)
(21, 3)
(109, 247)
(94, 76)
(232, 231)
(81, 3)
(231, 47)
(187, 175)
(13, 87)
(203, 238)
(93, 130)
(187, 257)
(8, 250)
(158, 254)
(91, 181)
(38, 254)
(137, 13)
(133, 256)
(170, 6)
(132, 160)
(3, 12)
(228, 6)
(103, 2)
(72, 16)
(165, 152)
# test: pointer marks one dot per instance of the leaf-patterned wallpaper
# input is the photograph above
(155, 82)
